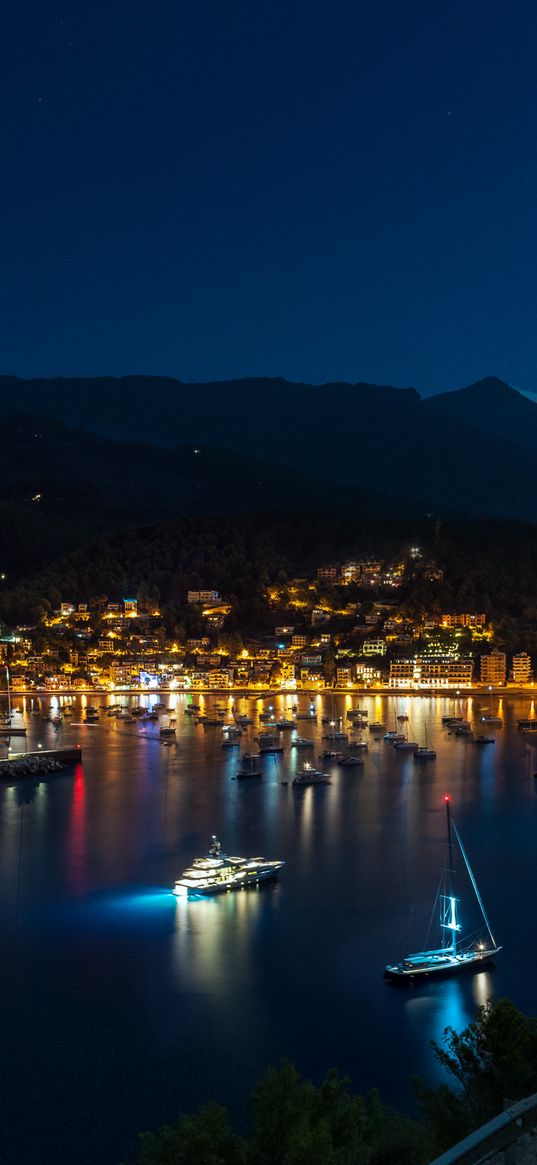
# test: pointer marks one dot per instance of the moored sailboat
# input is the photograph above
(455, 954)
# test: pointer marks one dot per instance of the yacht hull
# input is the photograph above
(227, 885)
(398, 973)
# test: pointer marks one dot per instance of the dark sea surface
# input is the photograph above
(123, 1006)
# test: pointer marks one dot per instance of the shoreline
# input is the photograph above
(266, 693)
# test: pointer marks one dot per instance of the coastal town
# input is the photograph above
(348, 627)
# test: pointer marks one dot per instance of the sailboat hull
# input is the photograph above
(431, 964)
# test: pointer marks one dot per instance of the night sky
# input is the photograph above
(318, 190)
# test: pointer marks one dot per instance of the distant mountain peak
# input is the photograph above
(490, 391)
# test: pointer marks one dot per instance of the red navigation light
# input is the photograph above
(447, 797)
(78, 746)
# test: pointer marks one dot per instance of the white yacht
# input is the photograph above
(308, 775)
(217, 873)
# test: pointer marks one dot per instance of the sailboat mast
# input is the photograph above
(450, 848)
(453, 909)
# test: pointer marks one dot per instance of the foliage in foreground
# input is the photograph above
(494, 1060)
(294, 1122)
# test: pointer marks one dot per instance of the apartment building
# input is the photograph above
(402, 673)
(464, 620)
(522, 671)
(493, 668)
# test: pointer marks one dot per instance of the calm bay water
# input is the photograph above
(123, 1006)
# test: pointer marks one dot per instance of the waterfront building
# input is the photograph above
(444, 673)
(402, 673)
(430, 673)
(217, 678)
(522, 672)
(493, 668)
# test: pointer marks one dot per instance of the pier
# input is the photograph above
(34, 764)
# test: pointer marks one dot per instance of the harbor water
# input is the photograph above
(124, 1006)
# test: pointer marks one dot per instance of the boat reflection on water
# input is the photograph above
(214, 936)
(436, 1005)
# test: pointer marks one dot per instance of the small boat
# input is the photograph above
(496, 721)
(405, 745)
(301, 742)
(307, 716)
(269, 742)
(394, 737)
(377, 727)
(424, 751)
(350, 762)
(447, 720)
(359, 745)
(217, 873)
(249, 766)
(310, 776)
(402, 718)
(282, 725)
(454, 955)
(529, 723)
(481, 739)
(166, 732)
(328, 754)
(336, 736)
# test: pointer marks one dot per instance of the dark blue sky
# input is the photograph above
(318, 190)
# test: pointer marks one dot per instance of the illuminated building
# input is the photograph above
(401, 673)
(203, 597)
(374, 647)
(522, 673)
(465, 620)
(493, 668)
(327, 574)
(447, 673)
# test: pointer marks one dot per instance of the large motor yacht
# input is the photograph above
(219, 872)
